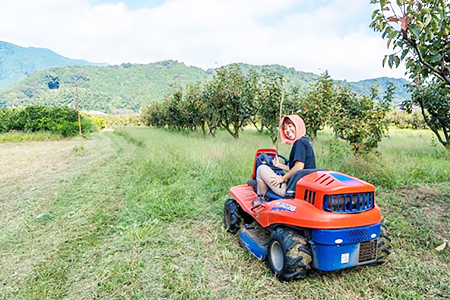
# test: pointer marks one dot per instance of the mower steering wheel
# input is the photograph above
(269, 159)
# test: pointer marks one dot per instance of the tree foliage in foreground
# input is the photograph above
(420, 30)
(419, 33)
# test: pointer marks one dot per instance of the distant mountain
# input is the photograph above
(18, 62)
(102, 88)
(364, 87)
(130, 86)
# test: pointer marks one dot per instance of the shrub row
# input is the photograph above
(59, 120)
(114, 121)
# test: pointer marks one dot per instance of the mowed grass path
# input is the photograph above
(137, 214)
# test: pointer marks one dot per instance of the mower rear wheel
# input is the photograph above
(384, 245)
(231, 218)
(289, 255)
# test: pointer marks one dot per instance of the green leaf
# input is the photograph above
(375, 13)
(430, 34)
(391, 60)
(393, 33)
(384, 60)
(427, 20)
(435, 58)
(425, 11)
(419, 25)
(396, 61)
(404, 53)
(415, 31)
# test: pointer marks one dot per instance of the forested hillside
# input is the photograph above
(18, 62)
(130, 86)
(293, 78)
(101, 88)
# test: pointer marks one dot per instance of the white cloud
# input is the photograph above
(334, 36)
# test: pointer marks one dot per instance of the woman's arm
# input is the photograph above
(282, 166)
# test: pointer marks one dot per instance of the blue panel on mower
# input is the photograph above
(270, 195)
(335, 249)
(250, 239)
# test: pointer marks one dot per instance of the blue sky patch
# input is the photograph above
(131, 4)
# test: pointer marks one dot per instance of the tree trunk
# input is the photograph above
(203, 128)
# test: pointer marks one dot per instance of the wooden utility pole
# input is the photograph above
(78, 109)
(281, 114)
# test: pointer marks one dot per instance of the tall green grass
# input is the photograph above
(139, 216)
(406, 158)
(186, 178)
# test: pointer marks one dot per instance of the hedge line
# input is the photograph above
(58, 119)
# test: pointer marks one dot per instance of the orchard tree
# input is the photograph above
(173, 108)
(194, 108)
(150, 114)
(231, 98)
(256, 105)
(358, 120)
(211, 108)
(434, 101)
(315, 105)
(270, 93)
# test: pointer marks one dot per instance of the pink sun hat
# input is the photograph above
(300, 129)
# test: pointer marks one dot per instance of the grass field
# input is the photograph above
(137, 214)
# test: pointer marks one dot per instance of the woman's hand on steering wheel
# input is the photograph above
(275, 161)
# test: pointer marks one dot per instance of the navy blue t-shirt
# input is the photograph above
(303, 152)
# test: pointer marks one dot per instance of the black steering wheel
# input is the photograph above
(268, 159)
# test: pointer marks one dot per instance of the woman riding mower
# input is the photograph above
(292, 131)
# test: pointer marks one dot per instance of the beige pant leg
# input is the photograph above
(264, 177)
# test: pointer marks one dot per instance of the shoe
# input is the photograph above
(258, 201)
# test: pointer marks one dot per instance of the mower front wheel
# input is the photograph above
(289, 255)
(384, 245)
(231, 218)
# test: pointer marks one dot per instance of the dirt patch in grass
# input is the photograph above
(421, 194)
(426, 205)
(21, 161)
(30, 170)
(437, 209)
(433, 200)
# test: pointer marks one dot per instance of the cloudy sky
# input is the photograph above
(309, 35)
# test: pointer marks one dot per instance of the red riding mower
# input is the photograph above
(327, 221)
